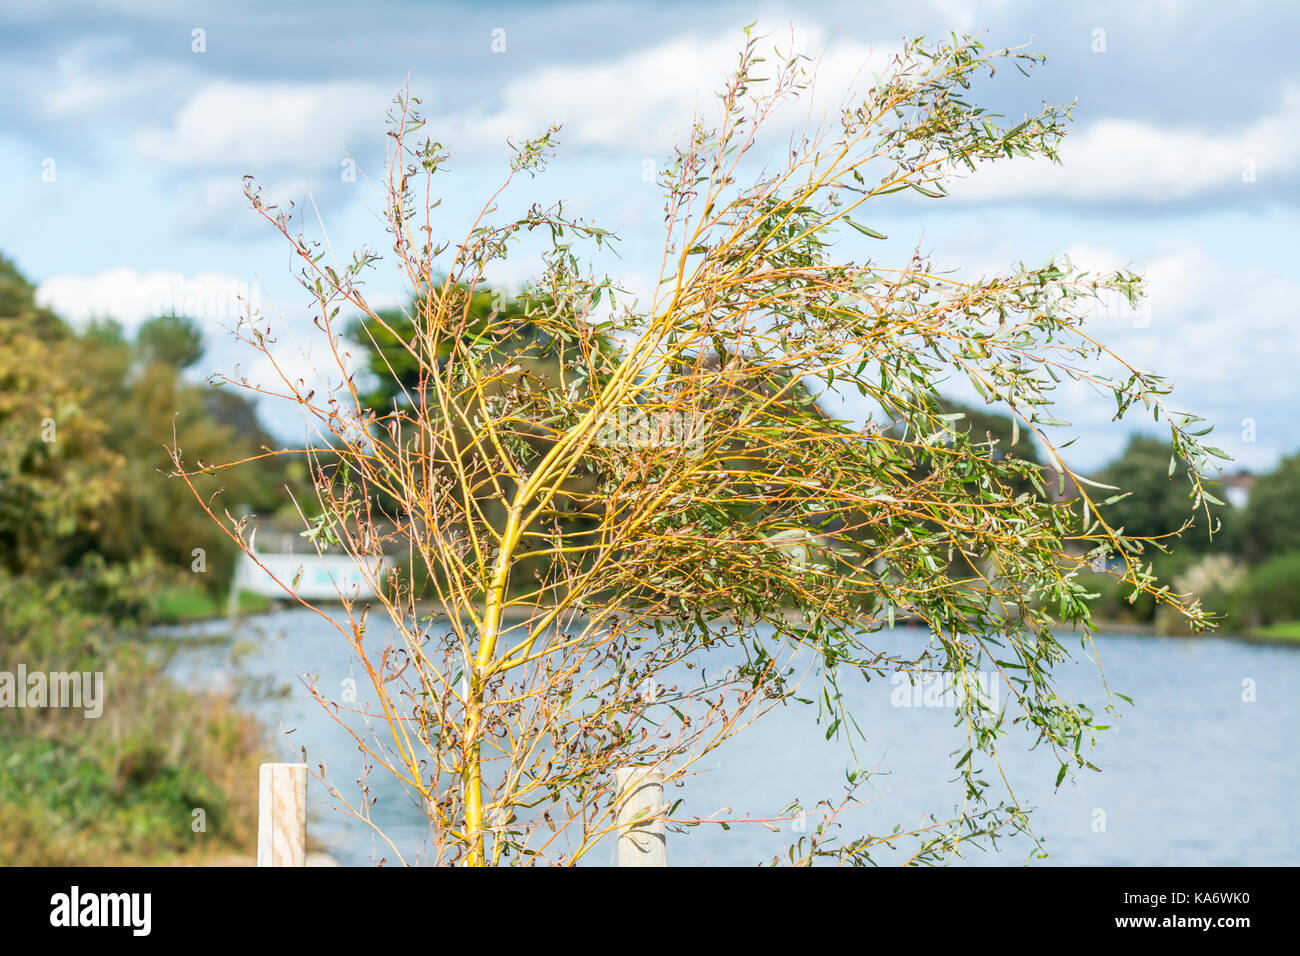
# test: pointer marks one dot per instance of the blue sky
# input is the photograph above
(124, 137)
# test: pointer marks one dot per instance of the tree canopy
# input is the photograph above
(85, 421)
(1156, 498)
(1271, 523)
(747, 550)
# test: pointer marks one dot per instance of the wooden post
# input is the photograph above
(639, 796)
(282, 815)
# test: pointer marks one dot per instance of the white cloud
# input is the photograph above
(644, 102)
(132, 297)
(1132, 161)
(216, 302)
(1224, 337)
(219, 203)
(256, 125)
(104, 75)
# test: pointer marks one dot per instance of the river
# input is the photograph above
(1200, 770)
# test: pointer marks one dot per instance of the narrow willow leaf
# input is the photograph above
(865, 230)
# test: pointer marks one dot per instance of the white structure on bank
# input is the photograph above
(320, 577)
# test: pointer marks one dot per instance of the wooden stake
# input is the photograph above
(639, 793)
(282, 815)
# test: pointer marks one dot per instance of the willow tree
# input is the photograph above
(741, 540)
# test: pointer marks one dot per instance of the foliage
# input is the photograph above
(179, 604)
(1214, 580)
(89, 528)
(745, 548)
(386, 337)
(1270, 594)
(170, 340)
(1271, 524)
(121, 787)
(1284, 631)
(84, 425)
(1155, 504)
(1215, 575)
(987, 425)
(18, 302)
(58, 473)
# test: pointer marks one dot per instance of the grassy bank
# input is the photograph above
(162, 774)
(181, 604)
(1288, 631)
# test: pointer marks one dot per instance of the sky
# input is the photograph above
(126, 131)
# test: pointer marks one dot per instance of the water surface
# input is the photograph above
(1196, 772)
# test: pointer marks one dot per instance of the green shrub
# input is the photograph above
(120, 788)
(1271, 592)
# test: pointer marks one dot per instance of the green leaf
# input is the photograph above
(1096, 484)
(865, 230)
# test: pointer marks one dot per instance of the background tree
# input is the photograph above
(89, 533)
(1155, 504)
(988, 424)
(86, 420)
(1271, 523)
(18, 305)
(386, 337)
(58, 471)
(748, 549)
(170, 340)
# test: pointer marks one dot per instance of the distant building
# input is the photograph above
(1237, 488)
(313, 571)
